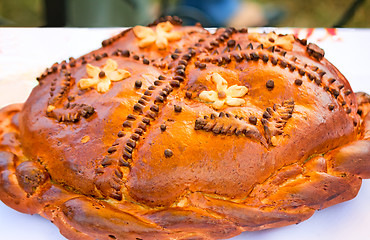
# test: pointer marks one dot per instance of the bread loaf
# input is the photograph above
(171, 132)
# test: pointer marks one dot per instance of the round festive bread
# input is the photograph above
(171, 132)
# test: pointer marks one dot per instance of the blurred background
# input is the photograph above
(211, 13)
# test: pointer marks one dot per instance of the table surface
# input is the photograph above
(26, 52)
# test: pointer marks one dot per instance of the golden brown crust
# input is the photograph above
(277, 134)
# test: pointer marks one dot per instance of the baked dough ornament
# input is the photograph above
(152, 157)
(102, 78)
(231, 96)
(160, 37)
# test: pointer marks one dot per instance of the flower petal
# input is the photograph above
(161, 42)
(110, 65)
(218, 104)
(220, 82)
(85, 83)
(173, 36)
(285, 42)
(118, 75)
(143, 32)
(236, 91)
(272, 35)
(208, 96)
(103, 85)
(92, 71)
(147, 41)
(164, 26)
(234, 102)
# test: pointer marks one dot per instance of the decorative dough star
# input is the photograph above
(231, 96)
(101, 78)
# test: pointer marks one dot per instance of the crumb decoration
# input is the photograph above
(231, 96)
(50, 108)
(85, 139)
(101, 78)
(161, 36)
(271, 39)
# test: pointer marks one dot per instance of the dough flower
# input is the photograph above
(161, 36)
(101, 78)
(231, 96)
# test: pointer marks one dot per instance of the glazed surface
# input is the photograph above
(282, 137)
